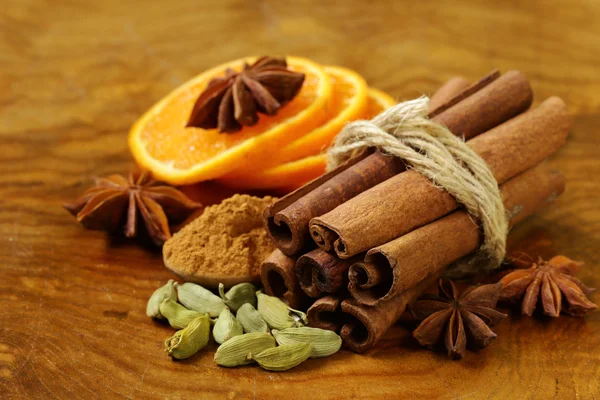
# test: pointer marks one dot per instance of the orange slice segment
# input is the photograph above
(294, 174)
(291, 174)
(160, 142)
(378, 101)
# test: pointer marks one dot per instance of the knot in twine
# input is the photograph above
(432, 150)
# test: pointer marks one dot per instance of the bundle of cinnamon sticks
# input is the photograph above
(365, 240)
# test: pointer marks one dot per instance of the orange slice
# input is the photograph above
(294, 174)
(160, 142)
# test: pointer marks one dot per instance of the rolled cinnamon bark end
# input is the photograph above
(321, 272)
(369, 281)
(307, 275)
(430, 249)
(447, 91)
(287, 233)
(422, 252)
(278, 276)
(287, 219)
(323, 237)
(326, 313)
(367, 325)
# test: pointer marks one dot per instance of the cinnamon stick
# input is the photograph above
(326, 313)
(460, 96)
(413, 200)
(278, 276)
(287, 219)
(497, 102)
(428, 250)
(447, 91)
(321, 272)
(367, 325)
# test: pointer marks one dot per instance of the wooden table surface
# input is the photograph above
(75, 75)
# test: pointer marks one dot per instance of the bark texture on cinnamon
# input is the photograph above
(411, 258)
(321, 272)
(495, 103)
(508, 149)
(278, 276)
(326, 313)
(436, 248)
(447, 91)
(451, 101)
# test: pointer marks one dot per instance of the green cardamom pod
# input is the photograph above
(277, 314)
(226, 327)
(284, 357)
(239, 349)
(324, 342)
(299, 317)
(239, 294)
(196, 298)
(178, 316)
(188, 341)
(250, 319)
(162, 293)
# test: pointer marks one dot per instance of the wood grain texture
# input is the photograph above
(76, 74)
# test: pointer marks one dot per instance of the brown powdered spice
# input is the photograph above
(227, 243)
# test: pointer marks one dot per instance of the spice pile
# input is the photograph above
(227, 243)
(264, 330)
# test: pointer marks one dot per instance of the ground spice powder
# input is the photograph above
(227, 243)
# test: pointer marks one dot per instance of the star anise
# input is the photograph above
(116, 200)
(547, 282)
(235, 99)
(461, 319)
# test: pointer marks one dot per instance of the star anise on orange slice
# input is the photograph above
(457, 320)
(550, 283)
(116, 201)
(233, 101)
